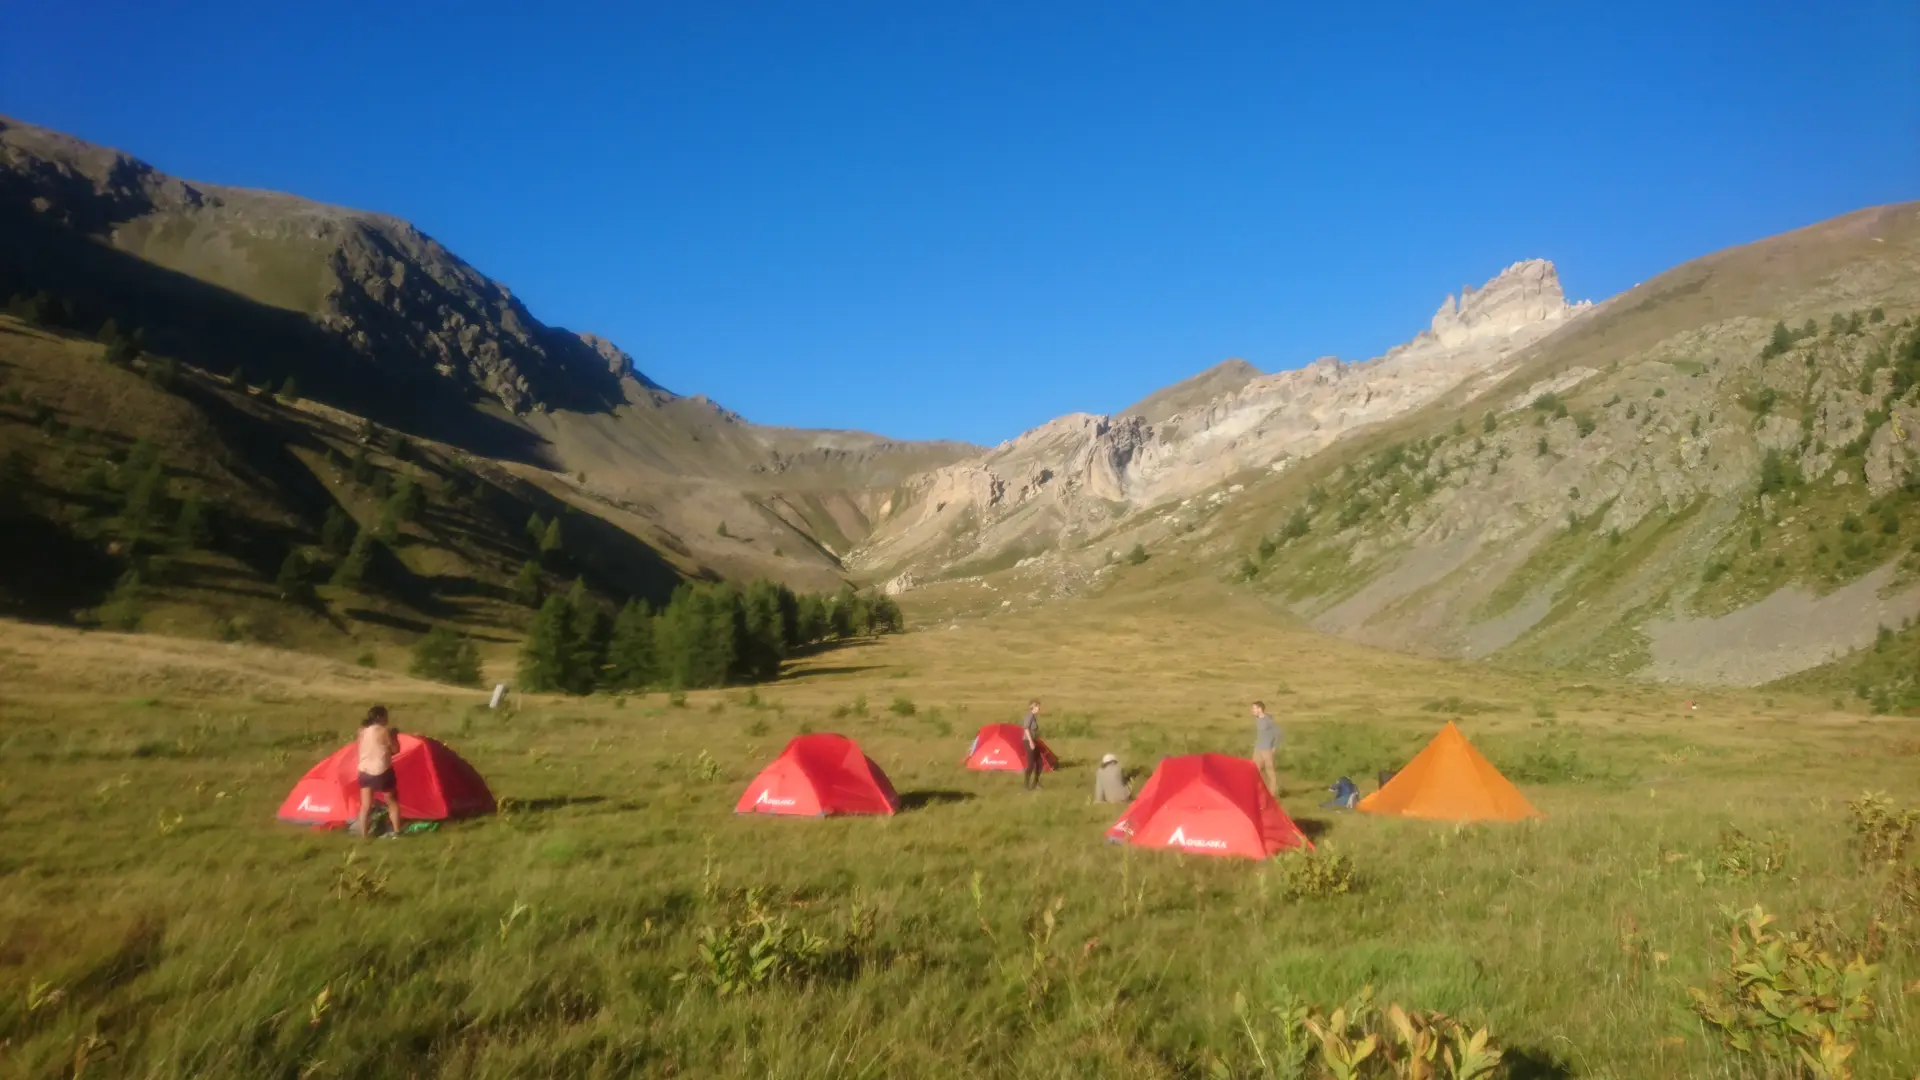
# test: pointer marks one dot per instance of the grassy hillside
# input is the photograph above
(105, 460)
(1710, 478)
(159, 922)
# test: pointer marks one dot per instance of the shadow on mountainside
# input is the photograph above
(220, 330)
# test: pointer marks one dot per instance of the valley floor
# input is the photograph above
(157, 920)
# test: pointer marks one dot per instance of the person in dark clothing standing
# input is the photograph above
(1266, 740)
(1030, 734)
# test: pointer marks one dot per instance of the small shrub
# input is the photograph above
(902, 706)
(1741, 856)
(356, 882)
(1137, 554)
(752, 950)
(1882, 831)
(758, 727)
(1659, 391)
(704, 769)
(367, 659)
(1317, 873)
(1358, 1040)
(1783, 999)
(677, 699)
(1716, 569)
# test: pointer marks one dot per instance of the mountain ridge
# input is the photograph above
(1075, 475)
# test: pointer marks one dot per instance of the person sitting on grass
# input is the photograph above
(378, 745)
(1110, 782)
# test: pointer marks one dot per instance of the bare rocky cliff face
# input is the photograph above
(1077, 475)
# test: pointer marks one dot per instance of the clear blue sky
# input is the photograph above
(960, 220)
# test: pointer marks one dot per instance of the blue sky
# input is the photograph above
(961, 220)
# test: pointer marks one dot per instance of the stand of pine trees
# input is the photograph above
(708, 635)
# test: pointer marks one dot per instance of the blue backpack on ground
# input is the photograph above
(1345, 794)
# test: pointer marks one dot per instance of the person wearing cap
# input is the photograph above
(1110, 782)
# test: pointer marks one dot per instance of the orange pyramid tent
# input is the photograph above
(1450, 781)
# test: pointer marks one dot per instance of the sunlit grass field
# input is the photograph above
(156, 921)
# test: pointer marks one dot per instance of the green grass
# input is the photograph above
(154, 907)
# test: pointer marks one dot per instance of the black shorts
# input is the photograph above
(383, 782)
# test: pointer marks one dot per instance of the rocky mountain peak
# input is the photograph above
(1070, 476)
(1521, 296)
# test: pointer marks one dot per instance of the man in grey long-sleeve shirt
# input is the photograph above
(1266, 739)
(1030, 735)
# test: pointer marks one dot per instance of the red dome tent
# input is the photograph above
(1003, 748)
(435, 784)
(1208, 804)
(817, 775)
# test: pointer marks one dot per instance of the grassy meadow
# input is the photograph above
(156, 921)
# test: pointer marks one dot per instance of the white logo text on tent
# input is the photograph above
(767, 799)
(1180, 837)
(306, 803)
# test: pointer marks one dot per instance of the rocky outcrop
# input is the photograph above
(1077, 473)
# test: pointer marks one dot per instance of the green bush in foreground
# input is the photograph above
(1784, 999)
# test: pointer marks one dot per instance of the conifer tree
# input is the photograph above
(763, 643)
(886, 616)
(548, 648)
(336, 534)
(291, 582)
(191, 528)
(694, 639)
(789, 620)
(630, 663)
(123, 350)
(143, 498)
(125, 604)
(810, 619)
(588, 628)
(550, 541)
(536, 528)
(840, 613)
(1781, 341)
(353, 568)
(526, 587)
